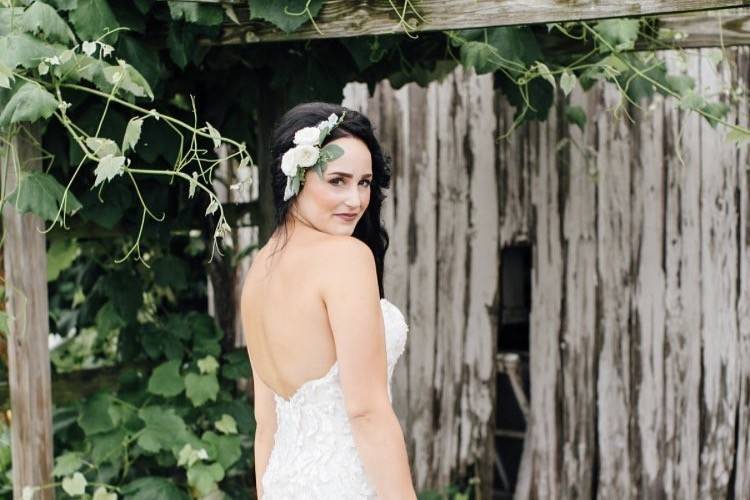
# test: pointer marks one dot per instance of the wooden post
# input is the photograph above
(25, 260)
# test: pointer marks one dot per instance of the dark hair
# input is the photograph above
(369, 228)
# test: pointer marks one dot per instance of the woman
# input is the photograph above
(321, 339)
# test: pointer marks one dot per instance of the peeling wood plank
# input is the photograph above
(683, 313)
(742, 467)
(718, 297)
(648, 295)
(614, 277)
(348, 18)
(540, 466)
(453, 278)
(579, 343)
(514, 188)
(482, 306)
(422, 257)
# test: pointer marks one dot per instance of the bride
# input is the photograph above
(321, 338)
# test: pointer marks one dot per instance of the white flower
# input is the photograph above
(333, 119)
(308, 135)
(307, 155)
(289, 162)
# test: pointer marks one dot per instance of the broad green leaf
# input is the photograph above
(101, 146)
(717, 111)
(101, 493)
(92, 18)
(203, 477)
(94, 417)
(40, 17)
(227, 424)
(480, 56)
(22, 49)
(108, 447)
(567, 82)
(75, 485)
(127, 78)
(152, 488)
(132, 134)
(226, 449)
(163, 429)
(331, 151)
(64, 4)
(60, 256)
(193, 12)
(67, 464)
(274, 11)
(682, 84)
(125, 290)
(692, 100)
(107, 212)
(166, 379)
(235, 365)
(28, 104)
(189, 455)
(738, 136)
(108, 168)
(576, 115)
(107, 319)
(208, 365)
(621, 34)
(201, 388)
(545, 73)
(41, 194)
(6, 77)
(171, 271)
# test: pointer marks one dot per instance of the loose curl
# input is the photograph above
(369, 228)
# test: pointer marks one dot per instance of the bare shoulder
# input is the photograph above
(345, 253)
(344, 261)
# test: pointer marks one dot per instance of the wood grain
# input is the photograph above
(348, 18)
(25, 260)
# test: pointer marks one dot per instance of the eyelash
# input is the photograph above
(341, 179)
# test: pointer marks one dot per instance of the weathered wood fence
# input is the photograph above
(640, 317)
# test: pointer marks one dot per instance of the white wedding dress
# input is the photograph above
(314, 456)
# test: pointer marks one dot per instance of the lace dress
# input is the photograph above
(314, 455)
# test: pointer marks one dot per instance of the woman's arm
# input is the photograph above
(264, 407)
(353, 302)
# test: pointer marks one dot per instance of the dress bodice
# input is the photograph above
(314, 455)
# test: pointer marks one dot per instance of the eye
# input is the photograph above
(334, 181)
(369, 183)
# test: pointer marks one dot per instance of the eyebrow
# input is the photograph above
(345, 174)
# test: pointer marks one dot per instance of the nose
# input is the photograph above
(353, 198)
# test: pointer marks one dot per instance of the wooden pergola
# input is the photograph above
(30, 386)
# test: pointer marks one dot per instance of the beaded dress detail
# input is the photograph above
(314, 456)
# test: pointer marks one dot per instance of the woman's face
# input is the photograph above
(344, 189)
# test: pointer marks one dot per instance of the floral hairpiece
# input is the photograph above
(308, 153)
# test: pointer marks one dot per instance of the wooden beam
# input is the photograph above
(25, 260)
(349, 18)
(709, 29)
(726, 27)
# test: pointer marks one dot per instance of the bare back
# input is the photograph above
(284, 317)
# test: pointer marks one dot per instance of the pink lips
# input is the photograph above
(347, 217)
